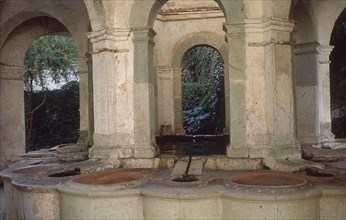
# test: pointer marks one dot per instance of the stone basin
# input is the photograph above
(31, 170)
(339, 165)
(109, 177)
(38, 154)
(268, 179)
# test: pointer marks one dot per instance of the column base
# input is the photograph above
(124, 152)
(281, 151)
(83, 139)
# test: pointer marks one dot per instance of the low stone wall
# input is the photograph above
(151, 194)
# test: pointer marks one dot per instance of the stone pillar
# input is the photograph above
(312, 93)
(323, 79)
(144, 93)
(262, 123)
(12, 120)
(90, 100)
(178, 101)
(169, 102)
(235, 34)
(279, 96)
(83, 102)
(112, 94)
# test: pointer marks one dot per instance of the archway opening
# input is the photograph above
(338, 77)
(51, 92)
(185, 124)
(203, 91)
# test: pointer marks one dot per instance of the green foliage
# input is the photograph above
(57, 121)
(203, 91)
(54, 54)
(52, 117)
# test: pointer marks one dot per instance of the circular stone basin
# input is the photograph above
(65, 173)
(36, 169)
(339, 165)
(185, 179)
(311, 171)
(37, 155)
(268, 179)
(109, 177)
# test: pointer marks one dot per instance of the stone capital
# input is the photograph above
(11, 72)
(143, 35)
(108, 39)
(323, 53)
(234, 30)
(269, 31)
(305, 48)
(82, 65)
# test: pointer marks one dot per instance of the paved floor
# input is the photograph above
(2, 202)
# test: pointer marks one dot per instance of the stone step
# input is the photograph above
(180, 168)
(196, 168)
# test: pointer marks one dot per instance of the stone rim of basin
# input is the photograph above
(108, 177)
(36, 169)
(268, 179)
(338, 164)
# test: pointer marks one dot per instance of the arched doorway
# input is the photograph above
(203, 91)
(51, 92)
(338, 77)
(170, 51)
(13, 50)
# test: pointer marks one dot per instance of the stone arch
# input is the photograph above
(18, 41)
(337, 76)
(96, 14)
(204, 38)
(21, 31)
(208, 39)
(142, 17)
(144, 13)
(304, 30)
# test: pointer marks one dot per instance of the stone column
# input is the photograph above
(313, 93)
(12, 120)
(262, 123)
(279, 96)
(323, 79)
(90, 100)
(83, 102)
(144, 80)
(235, 34)
(169, 102)
(112, 94)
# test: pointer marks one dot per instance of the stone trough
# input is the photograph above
(93, 190)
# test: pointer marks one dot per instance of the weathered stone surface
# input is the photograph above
(324, 155)
(131, 83)
(70, 149)
(73, 157)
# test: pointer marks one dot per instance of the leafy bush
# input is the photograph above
(203, 91)
(57, 121)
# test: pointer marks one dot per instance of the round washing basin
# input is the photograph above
(31, 170)
(37, 154)
(109, 177)
(268, 179)
(339, 165)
